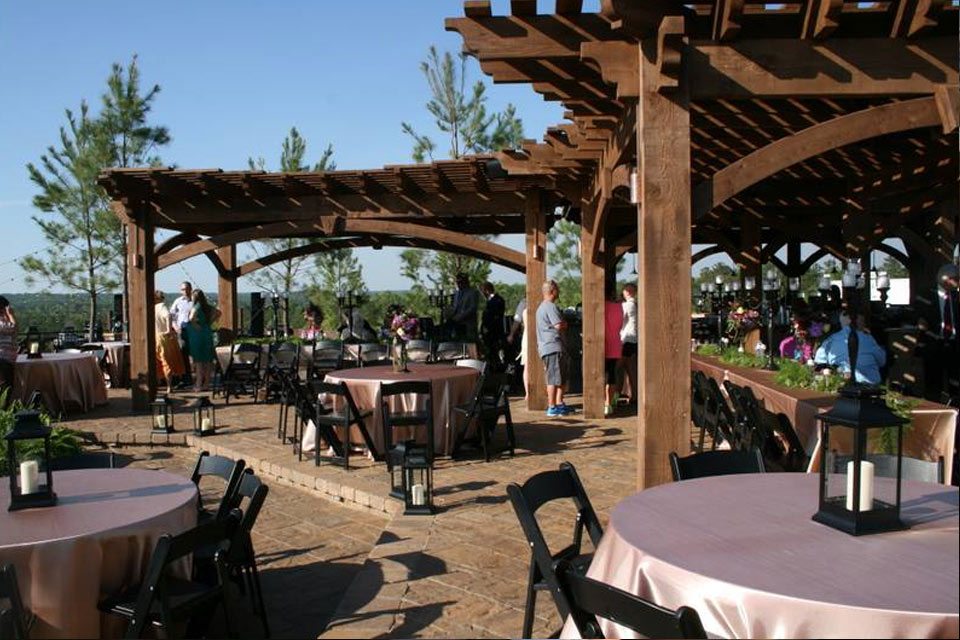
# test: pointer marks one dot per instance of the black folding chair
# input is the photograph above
(86, 460)
(327, 357)
(490, 401)
(240, 559)
(698, 408)
(344, 416)
(15, 620)
(284, 363)
(540, 489)
(410, 418)
(243, 372)
(451, 351)
(373, 354)
(590, 599)
(781, 440)
(715, 463)
(885, 466)
(163, 599)
(227, 470)
(419, 351)
(719, 418)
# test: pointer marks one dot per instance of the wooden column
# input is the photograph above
(751, 246)
(593, 278)
(663, 287)
(227, 288)
(143, 340)
(536, 231)
(794, 262)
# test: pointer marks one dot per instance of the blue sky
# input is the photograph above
(236, 75)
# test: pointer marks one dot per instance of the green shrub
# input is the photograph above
(63, 441)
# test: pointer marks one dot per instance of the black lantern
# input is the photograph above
(417, 481)
(26, 489)
(852, 500)
(33, 343)
(161, 418)
(204, 417)
(395, 457)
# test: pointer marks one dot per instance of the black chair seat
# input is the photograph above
(408, 418)
(339, 416)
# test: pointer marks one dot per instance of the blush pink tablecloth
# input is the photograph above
(68, 381)
(743, 551)
(449, 385)
(117, 362)
(930, 436)
(98, 539)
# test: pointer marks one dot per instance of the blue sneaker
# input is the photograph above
(553, 412)
(564, 410)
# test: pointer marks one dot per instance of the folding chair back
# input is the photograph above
(416, 391)
(13, 616)
(327, 357)
(527, 499)
(372, 354)
(590, 599)
(227, 470)
(243, 371)
(419, 351)
(715, 463)
(344, 416)
(451, 351)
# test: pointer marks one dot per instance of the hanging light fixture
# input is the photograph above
(634, 186)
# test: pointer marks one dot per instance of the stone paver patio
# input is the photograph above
(337, 557)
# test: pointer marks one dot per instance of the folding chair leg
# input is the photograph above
(511, 436)
(531, 603)
(257, 593)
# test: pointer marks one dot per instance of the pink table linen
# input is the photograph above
(931, 436)
(450, 386)
(68, 381)
(743, 551)
(98, 539)
(117, 356)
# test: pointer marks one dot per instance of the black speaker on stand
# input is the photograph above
(256, 314)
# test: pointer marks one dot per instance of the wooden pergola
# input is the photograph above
(747, 127)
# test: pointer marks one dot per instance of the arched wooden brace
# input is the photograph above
(376, 240)
(455, 241)
(810, 142)
(706, 253)
(175, 241)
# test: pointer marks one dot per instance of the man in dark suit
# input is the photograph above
(491, 326)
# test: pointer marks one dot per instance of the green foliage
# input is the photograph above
(893, 268)
(280, 278)
(335, 271)
(903, 406)
(432, 269)
(564, 256)
(794, 375)
(736, 358)
(709, 350)
(63, 441)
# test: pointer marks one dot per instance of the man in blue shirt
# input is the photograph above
(870, 355)
(550, 324)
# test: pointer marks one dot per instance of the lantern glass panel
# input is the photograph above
(29, 487)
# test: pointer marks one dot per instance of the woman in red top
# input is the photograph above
(612, 346)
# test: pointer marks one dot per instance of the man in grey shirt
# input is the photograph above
(550, 324)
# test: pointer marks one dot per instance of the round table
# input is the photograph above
(449, 385)
(98, 538)
(117, 352)
(67, 381)
(743, 551)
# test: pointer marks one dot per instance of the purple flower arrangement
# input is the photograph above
(404, 327)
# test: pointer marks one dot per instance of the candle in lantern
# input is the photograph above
(771, 274)
(34, 348)
(718, 280)
(419, 497)
(849, 279)
(749, 283)
(883, 281)
(161, 422)
(206, 424)
(29, 477)
(854, 267)
(866, 485)
(824, 283)
(794, 284)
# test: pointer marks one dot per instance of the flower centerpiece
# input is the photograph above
(740, 321)
(403, 328)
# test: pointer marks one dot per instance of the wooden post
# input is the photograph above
(536, 231)
(227, 288)
(143, 339)
(663, 291)
(593, 279)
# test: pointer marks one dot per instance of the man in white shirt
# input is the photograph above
(179, 317)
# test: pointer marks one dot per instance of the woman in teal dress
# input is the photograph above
(200, 339)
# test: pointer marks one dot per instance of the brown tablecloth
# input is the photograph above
(68, 381)
(117, 352)
(931, 435)
(743, 551)
(449, 386)
(97, 539)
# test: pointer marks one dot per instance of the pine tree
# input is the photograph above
(132, 141)
(337, 270)
(81, 230)
(471, 129)
(281, 278)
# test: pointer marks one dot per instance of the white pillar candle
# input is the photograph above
(29, 477)
(161, 422)
(206, 424)
(34, 348)
(418, 495)
(866, 486)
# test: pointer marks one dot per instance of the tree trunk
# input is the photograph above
(92, 317)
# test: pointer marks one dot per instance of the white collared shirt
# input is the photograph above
(180, 310)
